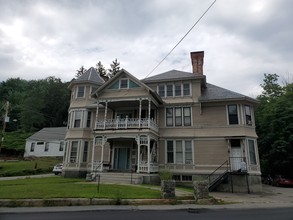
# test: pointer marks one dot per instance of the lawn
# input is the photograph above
(22, 168)
(59, 187)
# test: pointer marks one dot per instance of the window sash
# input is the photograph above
(233, 114)
(73, 152)
(177, 89)
(186, 89)
(88, 121)
(169, 116)
(85, 151)
(179, 151)
(178, 116)
(170, 152)
(77, 119)
(162, 90)
(170, 90)
(80, 91)
(123, 83)
(252, 155)
(248, 118)
(187, 116)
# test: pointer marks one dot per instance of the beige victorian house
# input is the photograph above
(173, 121)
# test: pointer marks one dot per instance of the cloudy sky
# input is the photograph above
(242, 40)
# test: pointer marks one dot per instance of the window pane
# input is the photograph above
(169, 116)
(162, 90)
(80, 91)
(188, 152)
(169, 90)
(123, 83)
(77, 119)
(85, 151)
(186, 89)
(177, 89)
(88, 121)
(170, 152)
(248, 115)
(252, 152)
(73, 153)
(179, 152)
(233, 116)
(187, 116)
(178, 116)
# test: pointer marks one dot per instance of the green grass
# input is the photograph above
(59, 187)
(22, 168)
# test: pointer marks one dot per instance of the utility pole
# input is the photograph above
(5, 120)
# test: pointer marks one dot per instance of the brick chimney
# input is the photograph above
(197, 62)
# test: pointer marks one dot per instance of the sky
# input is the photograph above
(242, 40)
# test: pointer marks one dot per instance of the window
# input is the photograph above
(80, 91)
(73, 152)
(186, 89)
(40, 143)
(46, 147)
(188, 152)
(187, 116)
(123, 83)
(61, 146)
(178, 89)
(252, 156)
(170, 90)
(232, 114)
(178, 117)
(248, 119)
(161, 90)
(85, 151)
(170, 152)
(169, 116)
(77, 119)
(88, 120)
(180, 151)
(182, 116)
(32, 147)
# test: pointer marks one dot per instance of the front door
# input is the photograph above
(235, 155)
(121, 158)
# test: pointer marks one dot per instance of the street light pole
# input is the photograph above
(5, 120)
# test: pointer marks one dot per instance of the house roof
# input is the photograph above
(171, 76)
(215, 93)
(91, 75)
(49, 134)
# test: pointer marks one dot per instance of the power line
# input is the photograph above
(182, 38)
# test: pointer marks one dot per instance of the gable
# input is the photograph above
(123, 83)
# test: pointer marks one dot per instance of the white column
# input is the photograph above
(149, 154)
(138, 153)
(97, 114)
(139, 114)
(93, 153)
(102, 153)
(105, 116)
(149, 115)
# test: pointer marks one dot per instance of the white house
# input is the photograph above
(48, 142)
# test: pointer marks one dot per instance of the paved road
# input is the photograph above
(198, 214)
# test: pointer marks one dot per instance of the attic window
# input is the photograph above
(123, 83)
(80, 91)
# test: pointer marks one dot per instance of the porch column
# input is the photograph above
(149, 115)
(102, 154)
(93, 153)
(138, 153)
(97, 114)
(139, 115)
(149, 154)
(105, 116)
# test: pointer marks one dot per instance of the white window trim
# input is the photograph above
(77, 90)
(126, 79)
(182, 116)
(173, 87)
(238, 114)
(183, 151)
(255, 152)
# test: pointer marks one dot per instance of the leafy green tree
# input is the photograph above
(274, 126)
(80, 71)
(101, 69)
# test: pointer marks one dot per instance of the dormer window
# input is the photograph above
(123, 83)
(177, 89)
(80, 91)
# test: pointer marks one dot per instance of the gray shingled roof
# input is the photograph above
(49, 134)
(216, 93)
(91, 75)
(171, 75)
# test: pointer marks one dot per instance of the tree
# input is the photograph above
(274, 126)
(101, 69)
(80, 71)
(115, 67)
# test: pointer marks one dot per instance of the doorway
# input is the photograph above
(235, 155)
(121, 158)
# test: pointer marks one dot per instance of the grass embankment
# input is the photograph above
(59, 187)
(23, 168)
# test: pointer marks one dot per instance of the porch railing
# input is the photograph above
(143, 167)
(127, 123)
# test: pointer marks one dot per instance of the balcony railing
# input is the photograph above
(126, 123)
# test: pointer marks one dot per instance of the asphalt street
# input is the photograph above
(186, 214)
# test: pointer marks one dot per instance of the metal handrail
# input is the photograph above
(222, 165)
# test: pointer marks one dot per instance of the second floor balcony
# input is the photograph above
(127, 123)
